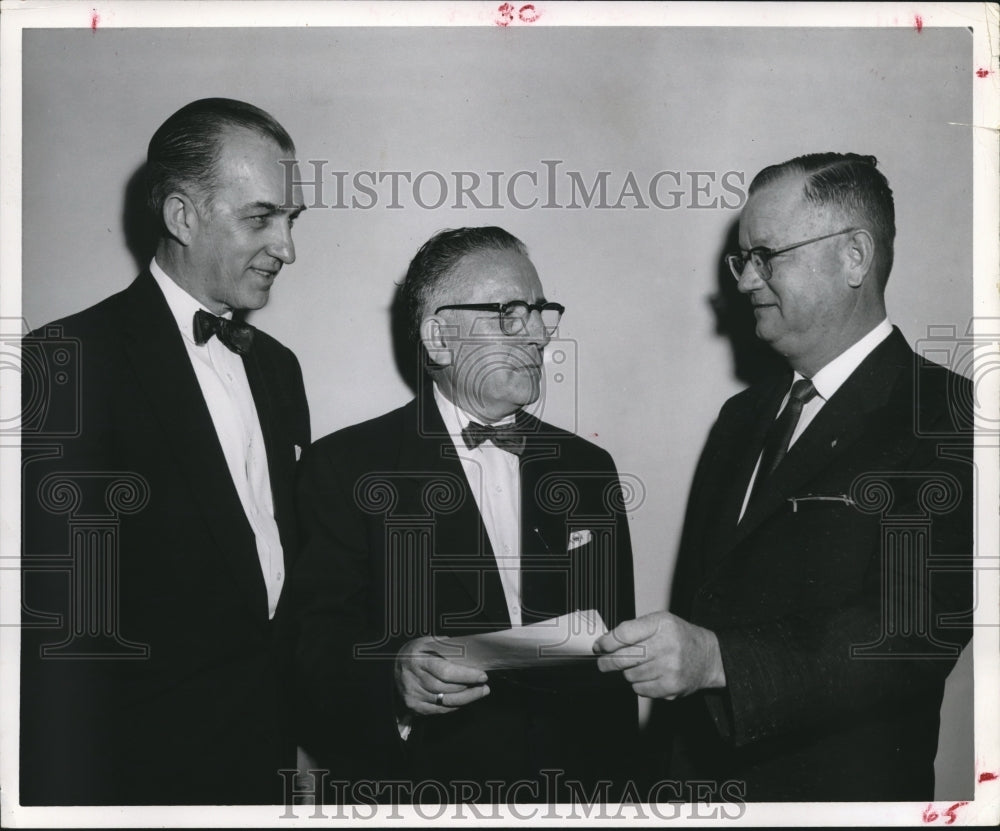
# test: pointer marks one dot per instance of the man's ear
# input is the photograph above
(435, 337)
(859, 254)
(180, 217)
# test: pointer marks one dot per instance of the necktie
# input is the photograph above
(238, 337)
(506, 438)
(779, 436)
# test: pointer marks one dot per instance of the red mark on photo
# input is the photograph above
(526, 14)
(95, 18)
(505, 14)
(982, 72)
(948, 815)
(918, 21)
(987, 777)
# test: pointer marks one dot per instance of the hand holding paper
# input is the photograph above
(439, 675)
(662, 655)
(430, 684)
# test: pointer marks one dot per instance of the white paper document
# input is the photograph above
(548, 642)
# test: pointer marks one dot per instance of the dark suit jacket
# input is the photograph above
(397, 549)
(830, 613)
(183, 702)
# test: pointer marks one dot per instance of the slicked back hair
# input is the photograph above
(853, 184)
(184, 152)
(434, 263)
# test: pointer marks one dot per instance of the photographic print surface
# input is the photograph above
(618, 143)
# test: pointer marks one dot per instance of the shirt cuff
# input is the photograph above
(404, 724)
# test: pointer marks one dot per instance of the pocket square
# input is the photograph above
(298, 452)
(578, 538)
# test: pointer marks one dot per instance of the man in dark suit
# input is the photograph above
(823, 592)
(158, 497)
(462, 513)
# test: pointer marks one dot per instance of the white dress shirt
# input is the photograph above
(495, 480)
(223, 381)
(826, 381)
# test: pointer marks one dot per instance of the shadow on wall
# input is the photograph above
(753, 360)
(406, 350)
(141, 232)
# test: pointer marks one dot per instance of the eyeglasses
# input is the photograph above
(514, 315)
(761, 256)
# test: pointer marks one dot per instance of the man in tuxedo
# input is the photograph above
(823, 591)
(158, 496)
(457, 514)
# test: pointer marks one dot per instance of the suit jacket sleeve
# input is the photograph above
(349, 700)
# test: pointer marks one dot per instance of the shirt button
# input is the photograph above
(278, 575)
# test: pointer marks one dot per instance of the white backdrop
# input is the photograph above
(644, 370)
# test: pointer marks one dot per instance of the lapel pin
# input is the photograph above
(833, 443)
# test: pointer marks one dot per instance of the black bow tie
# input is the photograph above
(506, 438)
(238, 337)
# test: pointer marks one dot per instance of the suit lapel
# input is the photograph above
(263, 387)
(756, 430)
(734, 462)
(459, 535)
(545, 588)
(163, 370)
(842, 421)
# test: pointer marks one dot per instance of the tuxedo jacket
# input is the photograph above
(396, 549)
(842, 598)
(150, 670)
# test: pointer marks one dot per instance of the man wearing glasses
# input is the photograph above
(822, 593)
(461, 513)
